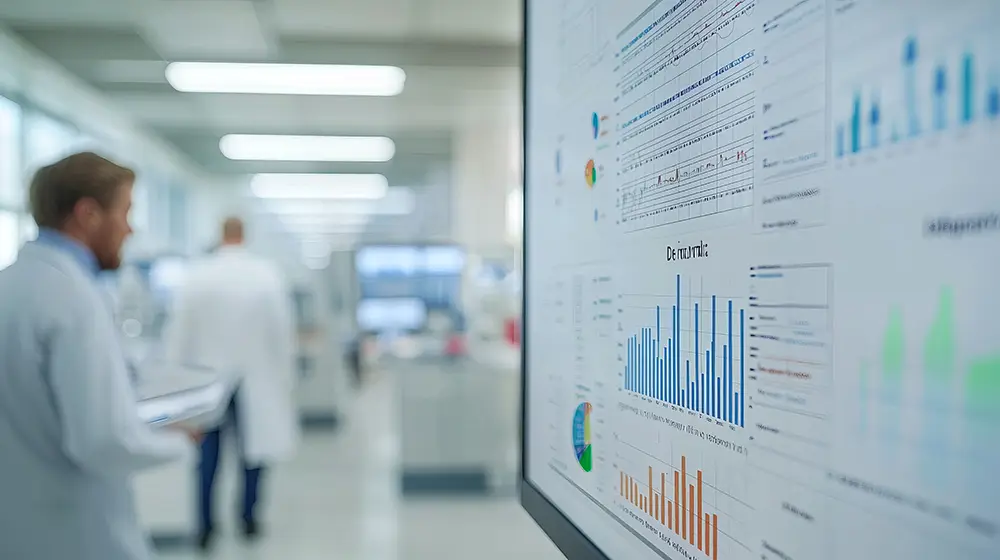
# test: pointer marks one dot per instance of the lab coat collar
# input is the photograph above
(231, 250)
(81, 254)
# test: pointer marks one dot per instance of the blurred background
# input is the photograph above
(393, 206)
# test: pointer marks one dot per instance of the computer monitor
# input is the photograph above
(391, 315)
(431, 273)
(762, 248)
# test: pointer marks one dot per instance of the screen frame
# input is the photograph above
(567, 537)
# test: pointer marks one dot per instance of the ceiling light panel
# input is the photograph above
(324, 229)
(286, 79)
(319, 186)
(266, 147)
(398, 201)
(333, 220)
(332, 240)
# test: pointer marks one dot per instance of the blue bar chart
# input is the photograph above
(938, 92)
(693, 368)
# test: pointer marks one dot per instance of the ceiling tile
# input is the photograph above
(488, 20)
(206, 29)
(65, 42)
(351, 19)
(77, 12)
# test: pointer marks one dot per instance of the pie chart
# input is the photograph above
(581, 436)
(591, 173)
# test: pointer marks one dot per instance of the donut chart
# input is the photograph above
(591, 173)
(581, 436)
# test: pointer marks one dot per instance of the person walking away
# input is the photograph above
(70, 434)
(234, 314)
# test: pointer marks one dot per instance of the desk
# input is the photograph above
(459, 423)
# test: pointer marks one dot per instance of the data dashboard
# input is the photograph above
(761, 260)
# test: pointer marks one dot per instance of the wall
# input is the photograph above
(485, 170)
(28, 75)
(223, 197)
(53, 100)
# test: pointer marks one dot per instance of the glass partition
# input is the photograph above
(46, 140)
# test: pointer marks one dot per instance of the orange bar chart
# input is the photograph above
(684, 514)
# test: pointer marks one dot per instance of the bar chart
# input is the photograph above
(706, 375)
(929, 93)
(685, 514)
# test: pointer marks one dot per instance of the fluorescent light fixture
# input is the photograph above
(329, 233)
(285, 79)
(274, 147)
(333, 241)
(319, 186)
(318, 264)
(316, 250)
(315, 229)
(399, 201)
(335, 220)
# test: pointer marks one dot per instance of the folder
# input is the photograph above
(171, 394)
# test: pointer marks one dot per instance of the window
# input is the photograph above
(11, 184)
(47, 140)
(8, 238)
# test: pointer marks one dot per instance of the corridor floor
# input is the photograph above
(339, 500)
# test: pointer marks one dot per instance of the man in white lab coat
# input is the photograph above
(234, 314)
(70, 433)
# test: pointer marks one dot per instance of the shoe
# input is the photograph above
(205, 540)
(250, 529)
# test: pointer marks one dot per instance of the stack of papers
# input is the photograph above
(172, 394)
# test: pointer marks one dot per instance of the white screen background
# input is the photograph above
(821, 166)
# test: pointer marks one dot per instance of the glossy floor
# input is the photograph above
(340, 500)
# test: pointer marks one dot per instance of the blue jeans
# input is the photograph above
(209, 464)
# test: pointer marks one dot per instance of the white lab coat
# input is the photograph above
(70, 433)
(234, 314)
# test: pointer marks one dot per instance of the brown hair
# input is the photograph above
(56, 188)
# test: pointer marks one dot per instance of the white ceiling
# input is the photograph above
(461, 58)
(479, 20)
(180, 29)
(490, 20)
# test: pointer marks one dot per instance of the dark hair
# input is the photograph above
(57, 188)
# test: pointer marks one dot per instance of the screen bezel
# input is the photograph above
(570, 540)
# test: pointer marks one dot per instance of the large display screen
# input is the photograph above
(762, 259)
(430, 273)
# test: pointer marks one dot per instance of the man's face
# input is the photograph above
(112, 230)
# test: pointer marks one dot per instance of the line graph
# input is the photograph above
(687, 171)
(686, 107)
(698, 168)
(667, 52)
